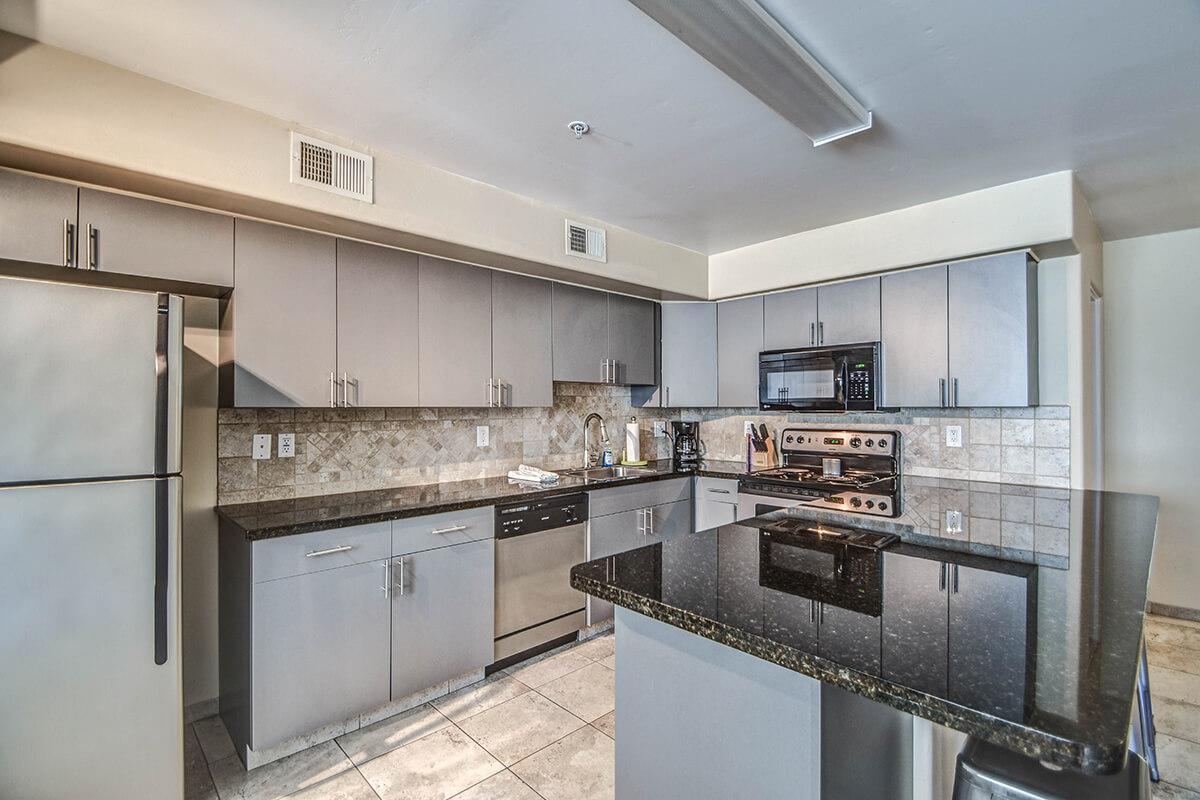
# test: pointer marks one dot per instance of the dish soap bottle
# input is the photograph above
(606, 457)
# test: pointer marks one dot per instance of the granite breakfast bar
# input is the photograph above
(842, 668)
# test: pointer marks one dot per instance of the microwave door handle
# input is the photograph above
(839, 383)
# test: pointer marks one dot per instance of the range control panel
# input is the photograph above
(806, 440)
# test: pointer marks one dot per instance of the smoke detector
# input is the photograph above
(579, 128)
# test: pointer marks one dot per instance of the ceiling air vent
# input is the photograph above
(332, 168)
(585, 241)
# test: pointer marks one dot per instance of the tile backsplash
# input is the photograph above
(356, 449)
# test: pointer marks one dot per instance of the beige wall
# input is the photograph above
(1152, 380)
(58, 102)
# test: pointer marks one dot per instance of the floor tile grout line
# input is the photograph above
(522, 780)
(535, 752)
(564, 708)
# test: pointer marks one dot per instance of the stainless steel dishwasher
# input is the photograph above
(537, 543)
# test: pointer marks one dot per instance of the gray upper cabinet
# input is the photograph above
(790, 319)
(689, 353)
(37, 219)
(521, 340)
(580, 334)
(158, 240)
(376, 325)
(631, 339)
(993, 331)
(320, 649)
(848, 312)
(280, 328)
(455, 334)
(442, 615)
(739, 341)
(914, 333)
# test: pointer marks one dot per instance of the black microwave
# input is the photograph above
(838, 378)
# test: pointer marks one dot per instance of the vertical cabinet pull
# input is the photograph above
(955, 398)
(491, 391)
(332, 390)
(387, 580)
(650, 521)
(820, 333)
(92, 236)
(812, 610)
(345, 390)
(399, 564)
(604, 371)
(954, 580)
(942, 577)
(667, 389)
(942, 391)
(812, 333)
(641, 512)
(68, 235)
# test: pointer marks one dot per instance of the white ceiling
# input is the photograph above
(966, 95)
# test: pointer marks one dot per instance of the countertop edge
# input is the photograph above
(1093, 758)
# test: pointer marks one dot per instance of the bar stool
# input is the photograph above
(988, 772)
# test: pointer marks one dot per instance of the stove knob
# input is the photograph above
(870, 442)
(790, 439)
(855, 442)
(882, 506)
(855, 502)
(870, 504)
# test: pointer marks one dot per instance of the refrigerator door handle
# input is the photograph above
(162, 544)
(168, 360)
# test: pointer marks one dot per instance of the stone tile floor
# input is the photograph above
(544, 729)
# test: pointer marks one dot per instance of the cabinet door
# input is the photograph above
(522, 360)
(790, 619)
(716, 503)
(320, 649)
(631, 339)
(442, 615)
(848, 312)
(159, 240)
(983, 675)
(376, 324)
(790, 319)
(37, 218)
(915, 622)
(580, 334)
(454, 345)
(849, 637)
(607, 536)
(739, 341)
(689, 352)
(669, 521)
(284, 317)
(993, 331)
(913, 329)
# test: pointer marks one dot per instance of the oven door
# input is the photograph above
(791, 380)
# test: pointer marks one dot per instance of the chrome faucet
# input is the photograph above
(587, 429)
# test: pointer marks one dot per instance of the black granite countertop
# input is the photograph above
(1037, 656)
(273, 518)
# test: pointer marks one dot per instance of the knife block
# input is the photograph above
(761, 459)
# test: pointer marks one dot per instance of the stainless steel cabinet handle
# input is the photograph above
(92, 235)
(387, 580)
(820, 333)
(68, 234)
(821, 613)
(345, 390)
(812, 333)
(642, 521)
(942, 577)
(501, 388)
(956, 393)
(332, 390)
(341, 548)
(812, 610)
(650, 521)
(719, 491)
(604, 371)
(942, 391)
(954, 580)
(668, 390)
(451, 529)
(491, 387)
(400, 570)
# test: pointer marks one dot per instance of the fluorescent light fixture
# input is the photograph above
(740, 38)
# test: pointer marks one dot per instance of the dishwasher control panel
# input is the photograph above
(531, 516)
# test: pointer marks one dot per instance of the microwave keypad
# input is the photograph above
(860, 385)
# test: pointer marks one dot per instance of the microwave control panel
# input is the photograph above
(860, 380)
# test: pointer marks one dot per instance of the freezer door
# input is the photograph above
(85, 710)
(91, 382)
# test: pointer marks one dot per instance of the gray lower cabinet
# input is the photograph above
(133, 236)
(442, 614)
(320, 649)
(716, 503)
(689, 355)
(915, 334)
(915, 619)
(848, 312)
(632, 340)
(849, 637)
(668, 521)
(580, 334)
(790, 319)
(993, 331)
(521, 340)
(376, 325)
(37, 219)
(455, 334)
(739, 341)
(280, 326)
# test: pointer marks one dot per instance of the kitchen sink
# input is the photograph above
(609, 473)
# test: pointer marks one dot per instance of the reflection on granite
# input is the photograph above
(1036, 655)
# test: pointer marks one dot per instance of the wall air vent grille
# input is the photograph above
(335, 169)
(584, 241)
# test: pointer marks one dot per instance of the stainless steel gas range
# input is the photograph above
(852, 471)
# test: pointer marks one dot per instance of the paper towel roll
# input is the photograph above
(633, 443)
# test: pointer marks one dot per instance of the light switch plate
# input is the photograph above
(287, 445)
(954, 522)
(660, 429)
(482, 436)
(954, 436)
(262, 446)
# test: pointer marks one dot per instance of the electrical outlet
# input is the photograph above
(481, 436)
(954, 436)
(262, 446)
(660, 429)
(287, 445)
(747, 428)
(954, 522)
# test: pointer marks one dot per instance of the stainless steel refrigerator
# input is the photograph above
(90, 679)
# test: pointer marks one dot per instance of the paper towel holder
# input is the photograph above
(633, 445)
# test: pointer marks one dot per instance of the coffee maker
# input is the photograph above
(685, 438)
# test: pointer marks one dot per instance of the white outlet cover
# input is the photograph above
(954, 522)
(746, 428)
(482, 436)
(954, 436)
(660, 429)
(262, 446)
(287, 445)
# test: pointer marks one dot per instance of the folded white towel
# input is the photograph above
(527, 474)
